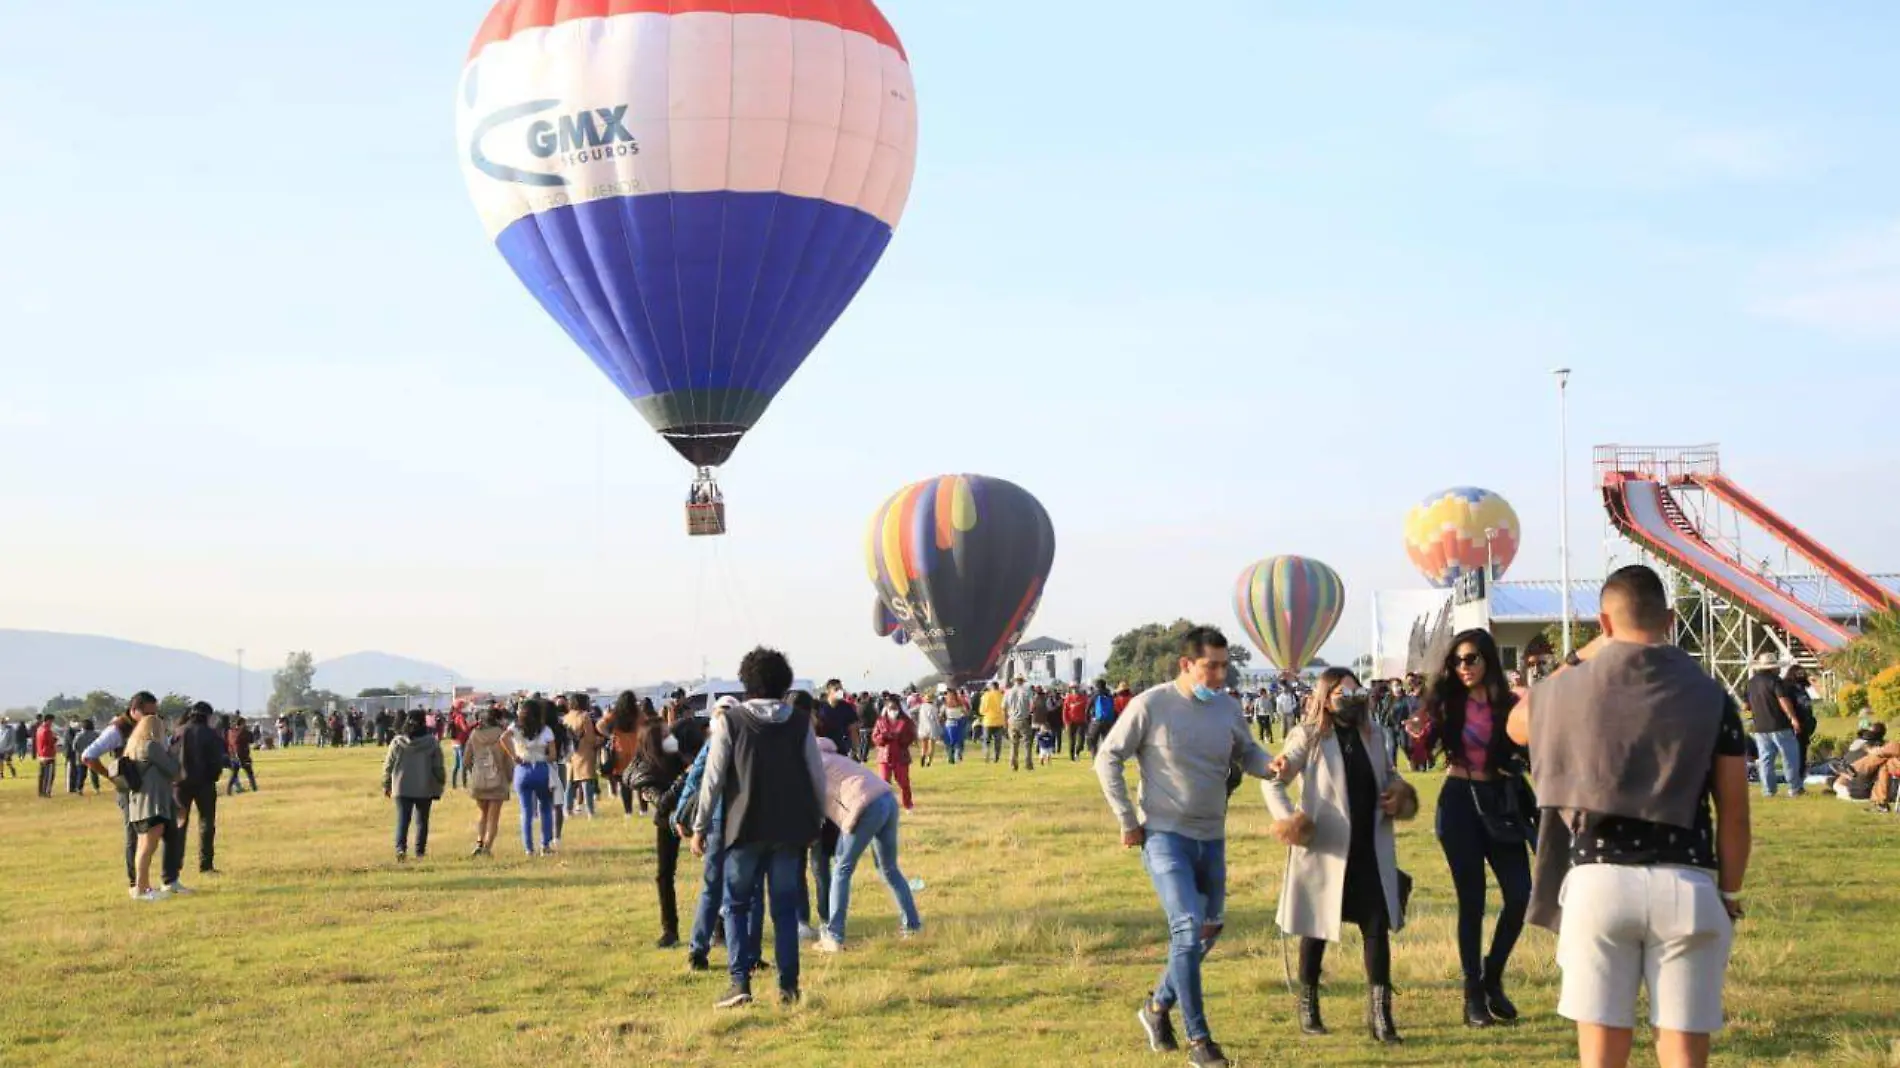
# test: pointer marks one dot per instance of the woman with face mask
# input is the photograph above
(1342, 865)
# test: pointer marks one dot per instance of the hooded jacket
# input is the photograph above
(413, 767)
(719, 773)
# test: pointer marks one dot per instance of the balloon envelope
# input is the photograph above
(1444, 534)
(883, 622)
(1289, 605)
(961, 561)
(694, 197)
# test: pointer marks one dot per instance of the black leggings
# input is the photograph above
(1468, 848)
(666, 845)
(1378, 952)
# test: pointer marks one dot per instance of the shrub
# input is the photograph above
(1883, 693)
(1852, 699)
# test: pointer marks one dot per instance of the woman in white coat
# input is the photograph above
(1342, 866)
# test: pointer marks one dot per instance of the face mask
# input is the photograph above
(1203, 694)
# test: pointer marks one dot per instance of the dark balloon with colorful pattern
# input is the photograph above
(960, 561)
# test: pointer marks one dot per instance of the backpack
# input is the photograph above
(487, 773)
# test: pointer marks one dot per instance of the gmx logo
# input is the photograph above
(562, 141)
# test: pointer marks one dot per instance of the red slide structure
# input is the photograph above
(1856, 582)
(1637, 495)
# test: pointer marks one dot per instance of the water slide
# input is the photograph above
(1645, 512)
(1856, 582)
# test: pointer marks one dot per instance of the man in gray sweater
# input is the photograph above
(1185, 736)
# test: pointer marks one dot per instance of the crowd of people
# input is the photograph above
(1631, 778)
(1631, 781)
(47, 741)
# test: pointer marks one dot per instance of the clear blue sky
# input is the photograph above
(1242, 280)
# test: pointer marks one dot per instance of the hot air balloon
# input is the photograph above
(1445, 534)
(900, 636)
(694, 191)
(883, 622)
(961, 561)
(1289, 606)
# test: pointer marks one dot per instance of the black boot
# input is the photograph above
(1310, 1023)
(1379, 1016)
(1494, 999)
(1477, 1013)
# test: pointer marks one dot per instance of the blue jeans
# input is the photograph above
(752, 868)
(1784, 743)
(877, 828)
(459, 773)
(712, 895)
(953, 731)
(418, 809)
(1190, 876)
(531, 784)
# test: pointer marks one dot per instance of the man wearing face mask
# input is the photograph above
(1184, 736)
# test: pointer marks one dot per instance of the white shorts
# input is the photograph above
(1628, 927)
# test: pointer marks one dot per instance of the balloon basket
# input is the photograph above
(705, 507)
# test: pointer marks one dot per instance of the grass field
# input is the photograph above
(315, 948)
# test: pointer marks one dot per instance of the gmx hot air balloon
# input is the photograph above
(961, 560)
(1289, 605)
(1445, 535)
(694, 191)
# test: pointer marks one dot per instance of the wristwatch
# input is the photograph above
(1731, 895)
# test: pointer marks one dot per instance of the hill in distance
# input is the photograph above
(36, 665)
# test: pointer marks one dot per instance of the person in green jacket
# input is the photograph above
(415, 774)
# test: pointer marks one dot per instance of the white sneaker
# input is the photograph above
(828, 944)
(807, 933)
(178, 888)
(555, 847)
(910, 932)
(149, 895)
(134, 891)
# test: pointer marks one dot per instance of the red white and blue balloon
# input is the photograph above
(693, 189)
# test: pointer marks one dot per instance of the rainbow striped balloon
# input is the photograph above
(1289, 606)
(1444, 534)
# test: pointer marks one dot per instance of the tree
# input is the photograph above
(291, 685)
(401, 689)
(1876, 650)
(62, 704)
(1149, 654)
(174, 706)
(101, 705)
(1582, 633)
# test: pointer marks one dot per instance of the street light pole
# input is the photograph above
(1563, 497)
(240, 703)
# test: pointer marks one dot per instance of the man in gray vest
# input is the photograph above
(1629, 744)
(762, 762)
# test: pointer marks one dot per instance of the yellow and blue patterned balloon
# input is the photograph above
(1289, 606)
(1444, 534)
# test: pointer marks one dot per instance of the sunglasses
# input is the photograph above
(1468, 660)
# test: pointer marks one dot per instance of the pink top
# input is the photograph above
(1477, 739)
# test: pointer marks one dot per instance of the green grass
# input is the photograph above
(1042, 935)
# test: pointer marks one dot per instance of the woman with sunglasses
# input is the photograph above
(1342, 864)
(1466, 711)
